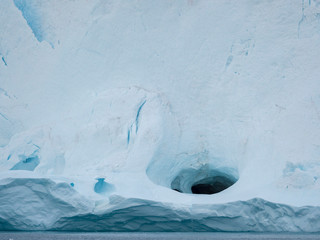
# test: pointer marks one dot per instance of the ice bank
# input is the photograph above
(160, 116)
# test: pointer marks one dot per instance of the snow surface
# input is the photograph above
(107, 106)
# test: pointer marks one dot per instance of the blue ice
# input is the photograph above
(28, 164)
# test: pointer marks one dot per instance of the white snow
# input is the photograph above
(107, 106)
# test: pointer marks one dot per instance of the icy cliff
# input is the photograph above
(160, 115)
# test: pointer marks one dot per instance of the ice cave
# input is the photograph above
(156, 116)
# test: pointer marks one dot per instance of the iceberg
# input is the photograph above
(160, 116)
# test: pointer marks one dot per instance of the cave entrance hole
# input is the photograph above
(211, 185)
(203, 181)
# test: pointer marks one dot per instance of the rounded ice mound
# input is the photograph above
(116, 130)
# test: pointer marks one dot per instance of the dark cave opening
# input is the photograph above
(204, 189)
(212, 185)
(204, 180)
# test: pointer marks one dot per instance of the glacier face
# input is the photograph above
(113, 112)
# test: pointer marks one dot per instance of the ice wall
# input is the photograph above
(148, 100)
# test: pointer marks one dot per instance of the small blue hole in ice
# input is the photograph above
(101, 186)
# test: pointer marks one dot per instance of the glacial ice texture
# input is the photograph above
(160, 115)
